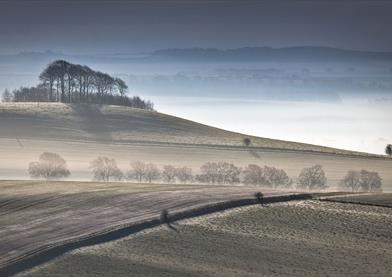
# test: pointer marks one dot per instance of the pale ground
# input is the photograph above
(118, 124)
(36, 215)
(80, 133)
(302, 238)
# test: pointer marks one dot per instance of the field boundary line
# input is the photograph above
(355, 203)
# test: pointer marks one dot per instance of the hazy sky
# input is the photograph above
(102, 26)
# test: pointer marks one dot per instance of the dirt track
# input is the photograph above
(36, 216)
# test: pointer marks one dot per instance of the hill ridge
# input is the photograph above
(90, 122)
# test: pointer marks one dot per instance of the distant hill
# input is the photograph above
(245, 54)
(269, 54)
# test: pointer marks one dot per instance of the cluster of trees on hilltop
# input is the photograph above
(65, 82)
(53, 166)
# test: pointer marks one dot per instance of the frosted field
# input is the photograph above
(300, 238)
(37, 216)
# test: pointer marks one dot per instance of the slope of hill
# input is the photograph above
(80, 133)
(116, 124)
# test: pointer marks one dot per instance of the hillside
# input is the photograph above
(81, 132)
(116, 124)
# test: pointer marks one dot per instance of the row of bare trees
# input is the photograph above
(53, 166)
(270, 176)
(362, 181)
(65, 82)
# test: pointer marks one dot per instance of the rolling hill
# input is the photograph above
(81, 132)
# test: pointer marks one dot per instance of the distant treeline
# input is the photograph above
(53, 166)
(65, 82)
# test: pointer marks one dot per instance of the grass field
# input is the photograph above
(301, 238)
(37, 216)
(80, 133)
(377, 199)
(116, 124)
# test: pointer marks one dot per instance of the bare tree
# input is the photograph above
(152, 173)
(370, 181)
(138, 171)
(362, 180)
(274, 177)
(184, 174)
(352, 181)
(7, 96)
(221, 172)
(121, 87)
(253, 175)
(209, 173)
(169, 174)
(62, 81)
(268, 176)
(104, 169)
(49, 166)
(229, 173)
(388, 150)
(312, 178)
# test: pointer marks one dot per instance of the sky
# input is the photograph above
(118, 26)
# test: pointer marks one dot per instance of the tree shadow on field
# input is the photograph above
(92, 121)
(254, 154)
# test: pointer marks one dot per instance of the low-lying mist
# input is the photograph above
(354, 124)
(343, 104)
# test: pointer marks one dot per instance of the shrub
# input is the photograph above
(259, 197)
(246, 141)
